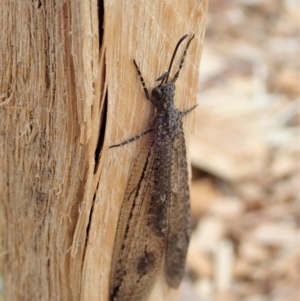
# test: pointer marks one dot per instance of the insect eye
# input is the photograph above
(156, 93)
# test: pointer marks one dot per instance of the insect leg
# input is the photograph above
(189, 110)
(132, 139)
(142, 80)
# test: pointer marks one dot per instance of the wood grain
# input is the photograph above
(67, 92)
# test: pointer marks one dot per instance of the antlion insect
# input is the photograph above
(154, 224)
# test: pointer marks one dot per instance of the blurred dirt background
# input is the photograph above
(245, 156)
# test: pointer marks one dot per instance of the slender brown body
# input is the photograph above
(154, 224)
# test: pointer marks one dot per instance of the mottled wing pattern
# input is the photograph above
(138, 251)
(179, 223)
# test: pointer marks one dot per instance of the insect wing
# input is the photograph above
(179, 223)
(138, 251)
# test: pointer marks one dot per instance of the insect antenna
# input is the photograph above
(182, 60)
(165, 76)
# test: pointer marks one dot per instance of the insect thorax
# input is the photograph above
(167, 124)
